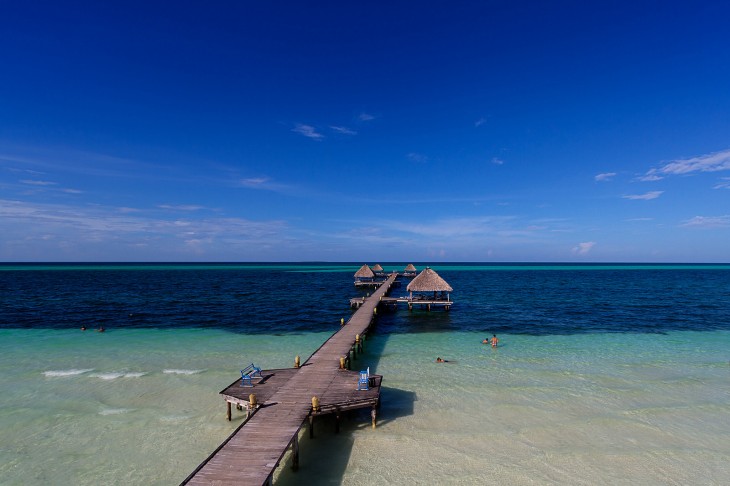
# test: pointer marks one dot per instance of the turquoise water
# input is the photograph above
(572, 396)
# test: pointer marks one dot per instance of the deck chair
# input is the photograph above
(250, 371)
(363, 383)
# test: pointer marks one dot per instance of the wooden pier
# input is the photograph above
(418, 301)
(250, 455)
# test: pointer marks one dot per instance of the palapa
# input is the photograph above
(410, 268)
(429, 281)
(364, 272)
(377, 268)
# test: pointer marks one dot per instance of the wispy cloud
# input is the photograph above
(708, 222)
(254, 181)
(365, 117)
(497, 161)
(343, 130)
(650, 178)
(38, 183)
(23, 223)
(640, 219)
(605, 177)
(265, 184)
(723, 184)
(713, 162)
(181, 207)
(583, 248)
(308, 131)
(644, 197)
(418, 158)
(480, 122)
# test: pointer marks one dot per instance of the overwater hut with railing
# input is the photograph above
(364, 276)
(428, 289)
(410, 271)
(378, 270)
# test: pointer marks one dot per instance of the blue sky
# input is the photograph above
(365, 131)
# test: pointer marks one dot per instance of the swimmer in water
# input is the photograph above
(83, 328)
(101, 329)
(441, 360)
(495, 341)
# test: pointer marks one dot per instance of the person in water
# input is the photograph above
(494, 340)
(83, 328)
(441, 360)
(101, 329)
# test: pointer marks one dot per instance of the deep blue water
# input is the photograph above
(285, 298)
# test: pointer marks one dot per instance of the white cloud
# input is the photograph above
(181, 207)
(640, 219)
(605, 177)
(497, 161)
(650, 177)
(723, 184)
(254, 181)
(38, 183)
(714, 162)
(365, 117)
(583, 248)
(480, 122)
(343, 130)
(72, 191)
(645, 197)
(708, 222)
(81, 226)
(307, 131)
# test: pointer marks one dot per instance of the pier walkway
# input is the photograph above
(250, 455)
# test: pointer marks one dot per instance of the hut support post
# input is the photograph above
(228, 410)
(311, 426)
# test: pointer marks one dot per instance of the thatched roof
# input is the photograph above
(410, 268)
(364, 272)
(377, 268)
(428, 281)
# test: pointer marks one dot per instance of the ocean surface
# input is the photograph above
(605, 374)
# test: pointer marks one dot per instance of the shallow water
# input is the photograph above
(576, 398)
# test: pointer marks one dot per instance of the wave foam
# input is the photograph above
(59, 373)
(108, 376)
(115, 411)
(182, 372)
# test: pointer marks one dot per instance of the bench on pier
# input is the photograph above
(363, 383)
(249, 372)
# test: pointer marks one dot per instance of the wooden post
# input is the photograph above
(311, 426)
(295, 452)
(228, 410)
(297, 361)
(373, 415)
(337, 422)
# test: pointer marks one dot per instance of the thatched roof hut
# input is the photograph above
(428, 281)
(410, 268)
(364, 272)
(377, 268)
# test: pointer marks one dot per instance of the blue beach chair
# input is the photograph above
(250, 371)
(363, 383)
